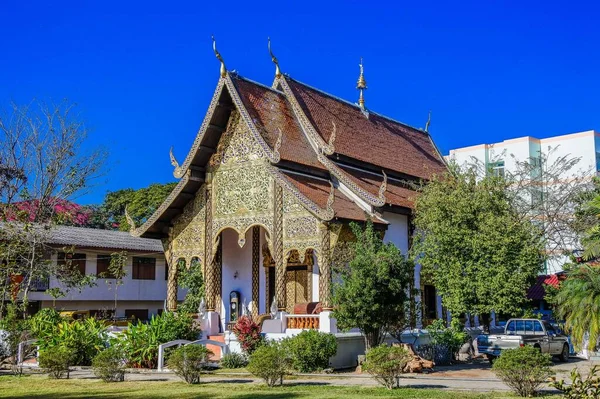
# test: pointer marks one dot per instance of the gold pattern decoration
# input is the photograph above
(222, 70)
(329, 149)
(219, 273)
(255, 271)
(189, 229)
(308, 257)
(210, 283)
(383, 187)
(278, 247)
(278, 143)
(361, 85)
(325, 268)
(172, 284)
(235, 146)
(130, 220)
(275, 61)
(178, 172)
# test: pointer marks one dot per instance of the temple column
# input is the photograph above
(278, 248)
(172, 285)
(326, 321)
(255, 271)
(212, 288)
(308, 259)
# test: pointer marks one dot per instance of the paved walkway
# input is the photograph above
(476, 376)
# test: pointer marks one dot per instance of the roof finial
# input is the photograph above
(275, 61)
(428, 122)
(218, 55)
(361, 85)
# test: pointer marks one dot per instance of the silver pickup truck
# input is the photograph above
(521, 332)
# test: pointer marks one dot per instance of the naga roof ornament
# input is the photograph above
(383, 187)
(178, 172)
(130, 220)
(223, 70)
(274, 59)
(329, 149)
(426, 130)
(361, 85)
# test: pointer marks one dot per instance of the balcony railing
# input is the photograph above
(303, 321)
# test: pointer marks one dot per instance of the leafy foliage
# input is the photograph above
(271, 362)
(451, 338)
(141, 340)
(579, 388)
(386, 364)
(234, 360)
(15, 330)
(56, 361)
(82, 338)
(523, 369)
(109, 365)
(578, 303)
(372, 292)
(188, 361)
(310, 350)
(191, 279)
(482, 255)
(248, 333)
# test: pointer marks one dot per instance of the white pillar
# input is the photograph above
(210, 324)
(327, 323)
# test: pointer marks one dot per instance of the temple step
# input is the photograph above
(216, 349)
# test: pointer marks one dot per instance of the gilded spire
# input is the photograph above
(361, 85)
(428, 122)
(275, 61)
(223, 70)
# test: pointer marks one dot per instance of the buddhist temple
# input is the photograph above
(269, 187)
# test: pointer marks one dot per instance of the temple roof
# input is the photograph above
(317, 141)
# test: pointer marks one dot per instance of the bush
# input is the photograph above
(141, 340)
(446, 341)
(248, 333)
(271, 362)
(385, 364)
(523, 369)
(14, 331)
(188, 361)
(109, 365)
(233, 361)
(579, 388)
(44, 322)
(56, 361)
(310, 350)
(83, 338)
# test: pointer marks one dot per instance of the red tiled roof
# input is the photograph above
(317, 190)
(271, 111)
(376, 140)
(538, 291)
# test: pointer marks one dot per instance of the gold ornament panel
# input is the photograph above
(236, 144)
(300, 227)
(242, 191)
(187, 234)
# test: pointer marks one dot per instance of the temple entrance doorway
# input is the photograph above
(298, 281)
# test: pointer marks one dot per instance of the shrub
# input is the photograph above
(44, 322)
(579, 387)
(14, 331)
(310, 350)
(271, 362)
(234, 361)
(188, 361)
(141, 340)
(523, 369)
(56, 361)
(446, 341)
(248, 333)
(385, 364)
(109, 365)
(83, 338)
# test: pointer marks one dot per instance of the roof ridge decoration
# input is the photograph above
(178, 172)
(426, 130)
(223, 70)
(274, 59)
(324, 214)
(383, 187)
(361, 85)
(329, 148)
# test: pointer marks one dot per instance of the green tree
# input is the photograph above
(140, 204)
(373, 289)
(192, 280)
(469, 237)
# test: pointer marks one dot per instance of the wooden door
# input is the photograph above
(295, 286)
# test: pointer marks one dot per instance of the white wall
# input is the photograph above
(236, 259)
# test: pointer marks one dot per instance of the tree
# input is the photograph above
(374, 287)
(117, 271)
(140, 205)
(44, 164)
(481, 254)
(192, 280)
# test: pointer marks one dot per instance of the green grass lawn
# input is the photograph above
(40, 387)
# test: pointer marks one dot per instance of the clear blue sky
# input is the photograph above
(142, 74)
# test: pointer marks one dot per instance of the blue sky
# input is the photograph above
(143, 73)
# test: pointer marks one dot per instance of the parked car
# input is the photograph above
(520, 332)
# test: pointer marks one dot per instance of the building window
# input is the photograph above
(136, 314)
(144, 268)
(103, 266)
(76, 261)
(496, 168)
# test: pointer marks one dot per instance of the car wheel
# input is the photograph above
(491, 359)
(564, 355)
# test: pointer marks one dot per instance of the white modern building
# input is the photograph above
(143, 289)
(505, 157)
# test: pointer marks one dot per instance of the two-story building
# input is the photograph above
(143, 289)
